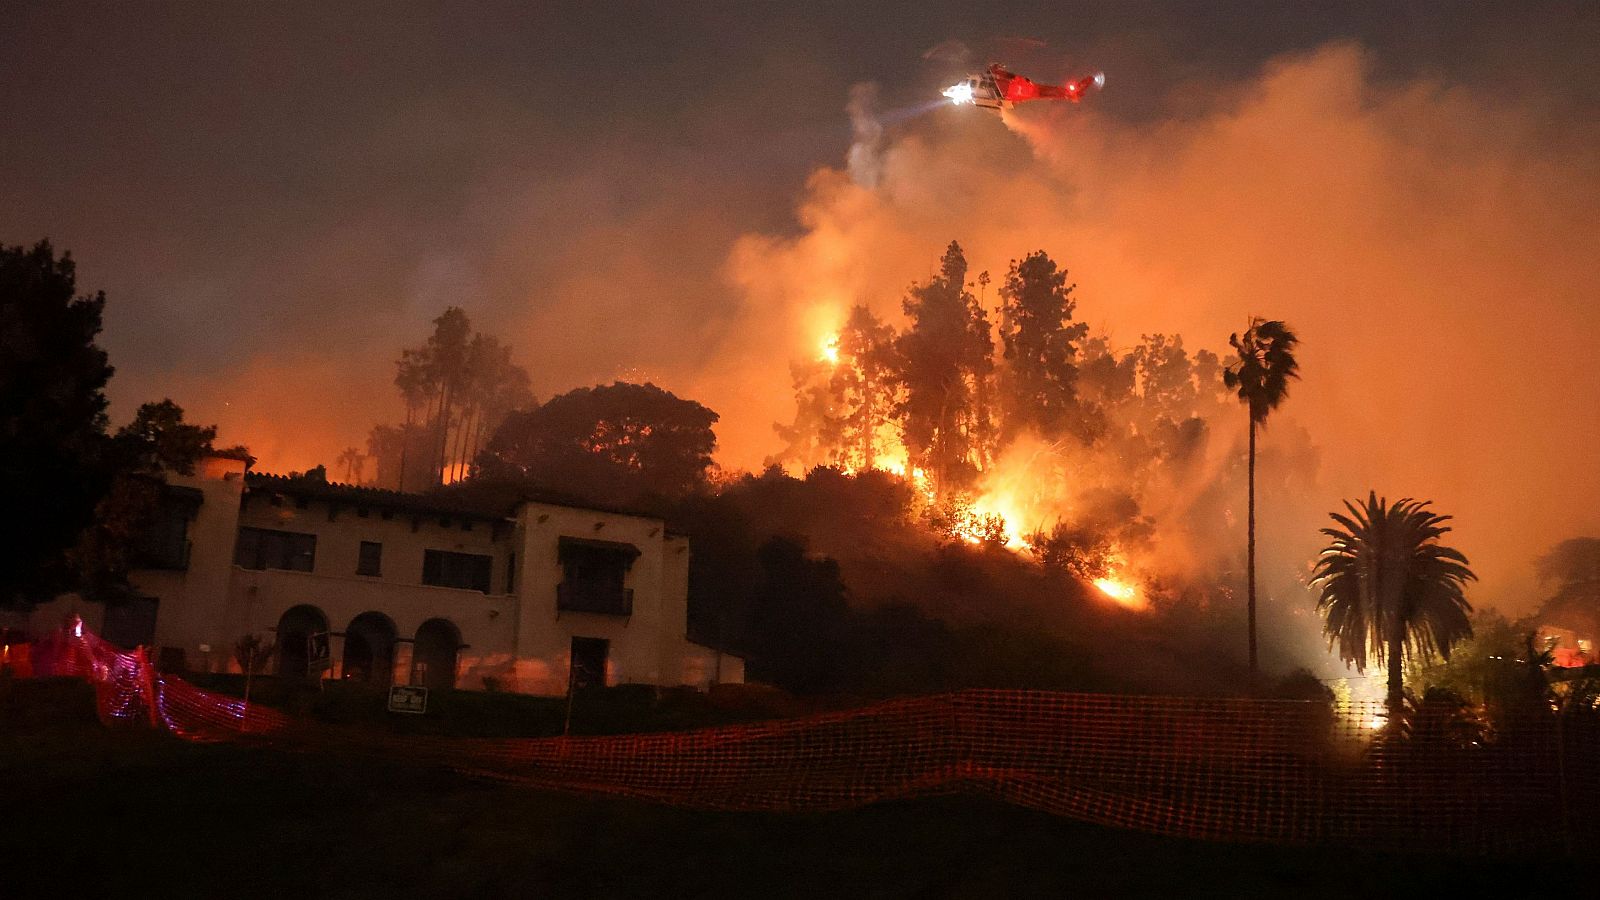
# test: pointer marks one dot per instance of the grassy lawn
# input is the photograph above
(91, 811)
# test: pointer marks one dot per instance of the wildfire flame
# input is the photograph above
(1003, 512)
(1119, 587)
(829, 351)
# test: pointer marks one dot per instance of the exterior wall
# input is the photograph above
(485, 620)
(648, 647)
(261, 597)
(340, 529)
(516, 639)
(704, 667)
(544, 634)
(193, 613)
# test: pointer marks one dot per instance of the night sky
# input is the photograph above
(276, 197)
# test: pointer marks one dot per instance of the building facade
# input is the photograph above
(378, 586)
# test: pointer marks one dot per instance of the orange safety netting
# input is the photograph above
(1231, 769)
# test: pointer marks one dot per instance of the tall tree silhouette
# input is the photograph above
(464, 384)
(1260, 375)
(351, 458)
(1386, 584)
(945, 358)
(814, 437)
(607, 440)
(1572, 570)
(52, 417)
(863, 386)
(141, 455)
(1040, 343)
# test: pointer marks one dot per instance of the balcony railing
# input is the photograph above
(593, 599)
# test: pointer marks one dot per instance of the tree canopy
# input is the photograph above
(637, 432)
(1571, 570)
(1041, 350)
(461, 385)
(1386, 585)
(52, 416)
(1264, 366)
(946, 359)
(141, 454)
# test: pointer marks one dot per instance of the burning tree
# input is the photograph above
(844, 399)
(1039, 377)
(814, 438)
(946, 360)
(864, 387)
(1056, 446)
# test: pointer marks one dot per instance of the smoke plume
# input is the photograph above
(1430, 243)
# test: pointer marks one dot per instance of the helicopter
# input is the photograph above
(998, 88)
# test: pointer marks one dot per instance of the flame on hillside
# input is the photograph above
(1126, 593)
(1016, 504)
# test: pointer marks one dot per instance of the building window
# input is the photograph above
(511, 572)
(593, 576)
(264, 548)
(163, 541)
(371, 560)
(469, 571)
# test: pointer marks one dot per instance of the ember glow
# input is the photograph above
(828, 352)
(1123, 592)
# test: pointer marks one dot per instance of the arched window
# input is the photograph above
(295, 630)
(369, 649)
(435, 653)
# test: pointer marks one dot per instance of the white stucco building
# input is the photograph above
(403, 588)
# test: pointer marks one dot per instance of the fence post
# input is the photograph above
(1561, 784)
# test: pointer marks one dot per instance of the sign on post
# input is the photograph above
(405, 698)
(319, 658)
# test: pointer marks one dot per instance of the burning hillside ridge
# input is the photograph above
(1360, 208)
(1018, 427)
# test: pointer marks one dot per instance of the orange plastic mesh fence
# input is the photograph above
(1229, 769)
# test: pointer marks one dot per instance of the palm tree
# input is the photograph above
(351, 459)
(1261, 377)
(1388, 586)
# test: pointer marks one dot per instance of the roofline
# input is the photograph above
(360, 495)
(340, 492)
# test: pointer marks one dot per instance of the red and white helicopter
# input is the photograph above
(996, 88)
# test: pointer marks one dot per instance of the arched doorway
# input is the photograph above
(433, 656)
(295, 629)
(369, 649)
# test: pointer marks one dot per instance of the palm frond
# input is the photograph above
(1264, 367)
(1384, 571)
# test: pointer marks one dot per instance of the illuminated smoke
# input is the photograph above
(866, 131)
(1429, 242)
(1432, 243)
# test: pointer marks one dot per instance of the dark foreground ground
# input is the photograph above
(94, 813)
